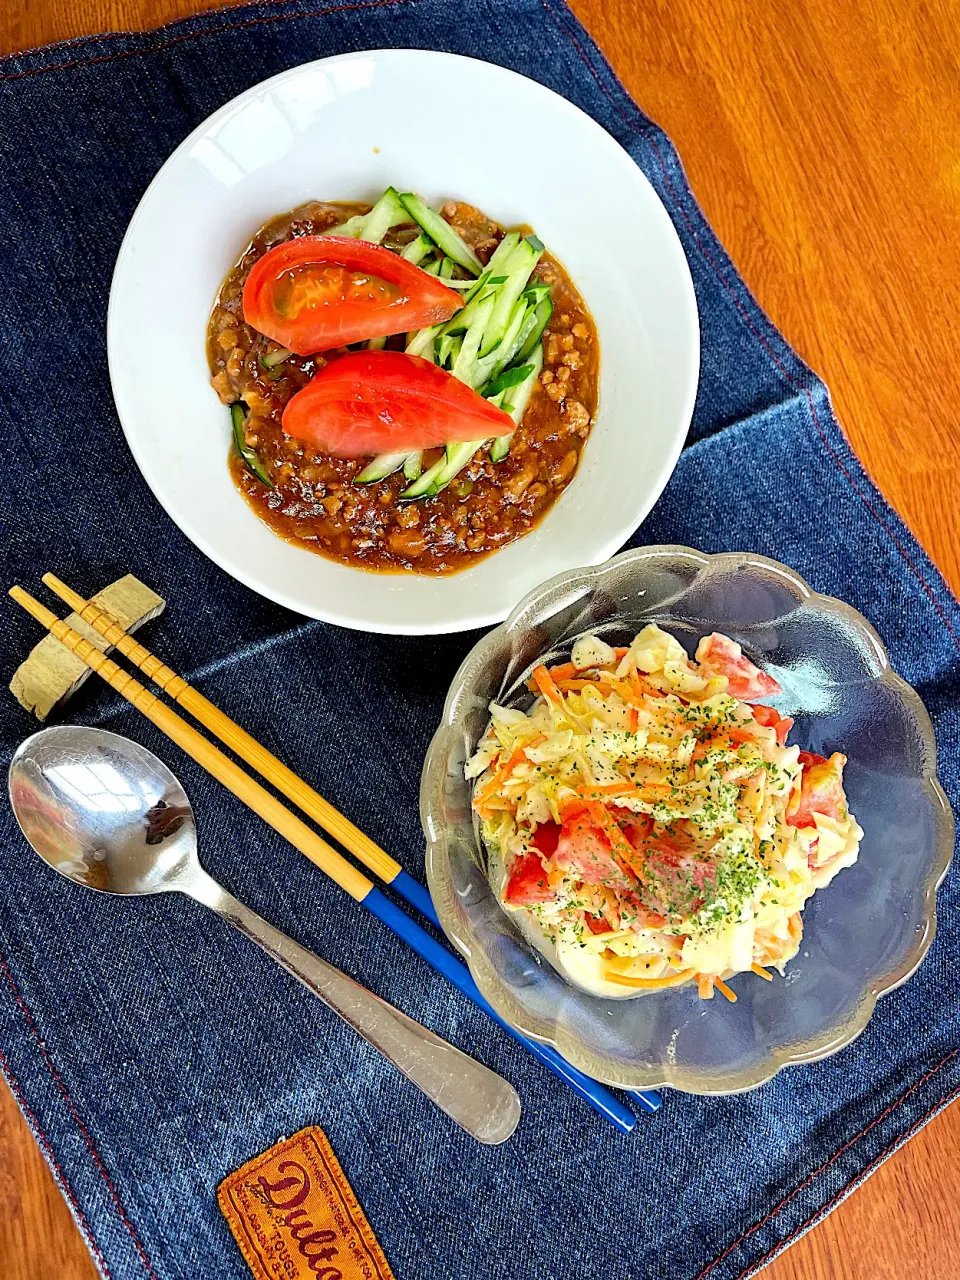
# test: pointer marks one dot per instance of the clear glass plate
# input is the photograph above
(864, 933)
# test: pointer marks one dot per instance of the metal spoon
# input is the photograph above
(109, 815)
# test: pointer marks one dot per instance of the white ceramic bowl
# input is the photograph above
(332, 130)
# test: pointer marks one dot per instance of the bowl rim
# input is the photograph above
(326, 607)
(546, 1029)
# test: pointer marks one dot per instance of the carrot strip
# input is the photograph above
(651, 984)
(704, 986)
(725, 990)
(761, 972)
(795, 927)
(634, 719)
(502, 774)
(544, 682)
(562, 672)
(621, 846)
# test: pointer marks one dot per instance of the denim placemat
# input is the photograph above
(151, 1050)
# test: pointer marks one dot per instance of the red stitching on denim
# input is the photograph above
(851, 1185)
(78, 1120)
(206, 31)
(801, 1186)
(62, 1177)
(644, 130)
(125, 34)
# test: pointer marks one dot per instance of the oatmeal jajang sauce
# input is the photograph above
(315, 502)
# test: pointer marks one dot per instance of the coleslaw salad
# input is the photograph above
(647, 823)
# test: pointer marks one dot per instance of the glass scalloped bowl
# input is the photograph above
(864, 934)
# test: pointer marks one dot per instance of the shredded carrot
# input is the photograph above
(634, 719)
(575, 685)
(636, 684)
(651, 984)
(620, 653)
(620, 844)
(725, 990)
(544, 682)
(704, 986)
(562, 672)
(795, 927)
(761, 972)
(486, 794)
(613, 788)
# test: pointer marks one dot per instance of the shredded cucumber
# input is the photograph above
(519, 399)
(375, 344)
(542, 314)
(238, 417)
(413, 465)
(441, 233)
(381, 467)
(417, 249)
(351, 227)
(386, 213)
(422, 485)
(518, 267)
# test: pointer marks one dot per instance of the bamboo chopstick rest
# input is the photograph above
(51, 673)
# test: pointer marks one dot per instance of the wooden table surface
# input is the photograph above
(823, 141)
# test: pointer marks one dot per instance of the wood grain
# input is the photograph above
(822, 141)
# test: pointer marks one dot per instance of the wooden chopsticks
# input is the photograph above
(232, 735)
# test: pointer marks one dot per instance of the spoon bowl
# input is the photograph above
(103, 811)
(107, 814)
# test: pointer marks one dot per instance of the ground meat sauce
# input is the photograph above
(489, 504)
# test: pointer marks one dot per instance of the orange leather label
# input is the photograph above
(295, 1217)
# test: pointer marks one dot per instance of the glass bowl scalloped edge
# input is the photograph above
(574, 585)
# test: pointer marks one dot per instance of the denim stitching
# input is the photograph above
(852, 1184)
(645, 131)
(78, 1119)
(206, 31)
(126, 34)
(62, 1181)
(801, 1186)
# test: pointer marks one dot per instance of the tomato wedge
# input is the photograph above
(370, 402)
(318, 292)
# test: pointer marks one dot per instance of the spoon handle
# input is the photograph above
(472, 1095)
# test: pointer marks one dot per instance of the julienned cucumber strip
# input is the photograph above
(275, 357)
(519, 266)
(454, 460)
(509, 378)
(433, 268)
(349, 228)
(381, 467)
(422, 342)
(498, 259)
(463, 365)
(520, 398)
(413, 465)
(238, 417)
(375, 344)
(385, 213)
(448, 347)
(420, 486)
(446, 268)
(503, 353)
(417, 249)
(441, 233)
(542, 315)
